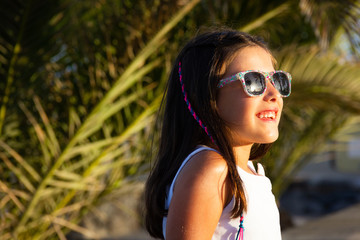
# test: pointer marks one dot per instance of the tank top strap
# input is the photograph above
(171, 189)
(260, 168)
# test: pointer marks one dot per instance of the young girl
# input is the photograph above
(223, 105)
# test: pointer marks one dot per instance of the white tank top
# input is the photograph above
(261, 221)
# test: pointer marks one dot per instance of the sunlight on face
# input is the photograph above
(250, 119)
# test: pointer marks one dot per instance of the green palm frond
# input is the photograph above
(326, 17)
(94, 177)
(93, 162)
(265, 17)
(20, 45)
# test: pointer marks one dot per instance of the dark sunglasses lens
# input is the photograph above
(254, 83)
(282, 83)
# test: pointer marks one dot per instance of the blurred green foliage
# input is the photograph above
(81, 81)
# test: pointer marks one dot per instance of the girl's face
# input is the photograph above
(250, 119)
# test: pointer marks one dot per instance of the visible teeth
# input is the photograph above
(270, 115)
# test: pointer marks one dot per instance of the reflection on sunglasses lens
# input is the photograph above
(281, 82)
(255, 83)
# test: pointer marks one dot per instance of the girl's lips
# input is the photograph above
(268, 115)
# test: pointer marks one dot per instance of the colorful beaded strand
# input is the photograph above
(189, 106)
(240, 233)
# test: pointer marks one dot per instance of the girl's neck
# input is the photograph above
(242, 154)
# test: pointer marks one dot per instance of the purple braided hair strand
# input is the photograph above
(190, 108)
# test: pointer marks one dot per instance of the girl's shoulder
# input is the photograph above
(205, 172)
(207, 162)
(200, 190)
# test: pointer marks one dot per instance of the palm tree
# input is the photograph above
(44, 197)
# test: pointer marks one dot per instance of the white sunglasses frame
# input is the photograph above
(268, 76)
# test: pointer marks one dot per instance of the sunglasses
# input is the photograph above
(254, 82)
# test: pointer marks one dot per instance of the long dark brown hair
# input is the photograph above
(204, 60)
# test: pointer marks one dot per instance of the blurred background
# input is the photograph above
(81, 83)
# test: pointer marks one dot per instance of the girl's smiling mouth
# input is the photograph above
(268, 115)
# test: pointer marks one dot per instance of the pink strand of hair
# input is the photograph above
(189, 105)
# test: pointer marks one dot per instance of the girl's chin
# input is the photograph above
(270, 138)
(258, 141)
